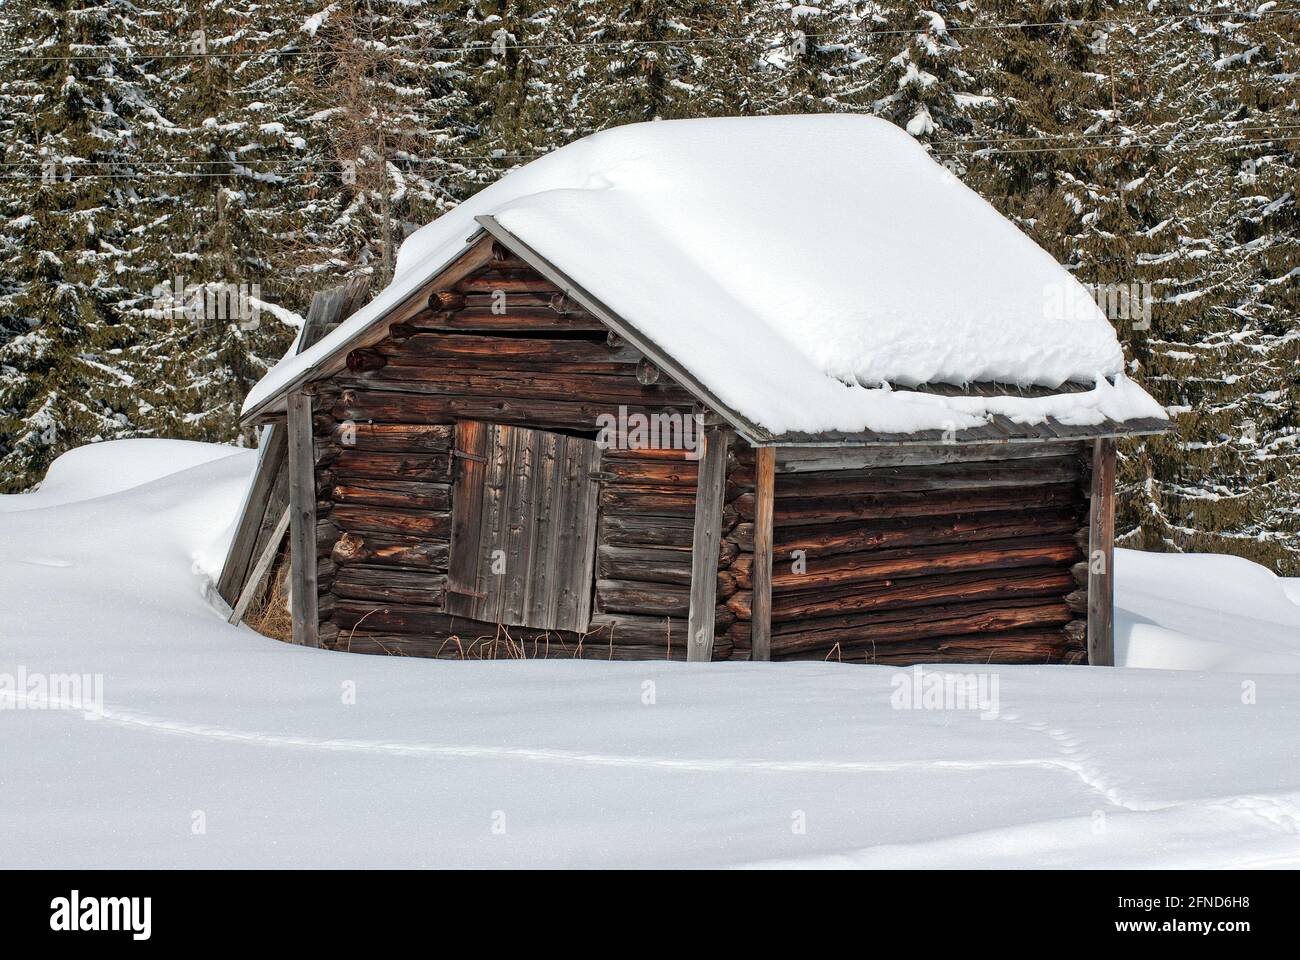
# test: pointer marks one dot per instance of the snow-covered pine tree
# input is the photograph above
(391, 94)
(75, 89)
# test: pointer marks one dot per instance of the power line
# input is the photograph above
(953, 152)
(501, 46)
(1261, 133)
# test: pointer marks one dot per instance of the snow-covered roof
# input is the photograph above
(801, 269)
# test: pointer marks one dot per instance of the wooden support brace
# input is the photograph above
(764, 496)
(302, 522)
(261, 568)
(704, 549)
(1101, 556)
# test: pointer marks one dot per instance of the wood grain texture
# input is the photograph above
(707, 534)
(1101, 556)
(303, 590)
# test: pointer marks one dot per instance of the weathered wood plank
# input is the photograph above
(802, 459)
(244, 547)
(303, 588)
(1101, 556)
(468, 472)
(706, 537)
(764, 494)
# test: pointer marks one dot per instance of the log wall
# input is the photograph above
(952, 562)
(502, 346)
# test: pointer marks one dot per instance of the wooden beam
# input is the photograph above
(764, 498)
(243, 546)
(704, 549)
(261, 568)
(302, 522)
(1101, 556)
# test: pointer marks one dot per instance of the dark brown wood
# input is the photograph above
(801, 459)
(392, 437)
(387, 585)
(708, 510)
(919, 591)
(1101, 557)
(363, 518)
(389, 550)
(418, 466)
(764, 493)
(303, 589)
(393, 493)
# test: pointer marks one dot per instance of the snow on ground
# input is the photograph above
(217, 747)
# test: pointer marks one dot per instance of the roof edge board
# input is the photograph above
(322, 365)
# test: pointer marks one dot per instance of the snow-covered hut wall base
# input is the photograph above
(454, 491)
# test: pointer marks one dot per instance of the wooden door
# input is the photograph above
(523, 533)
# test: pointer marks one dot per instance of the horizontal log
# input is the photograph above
(837, 538)
(812, 459)
(393, 493)
(391, 551)
(906, 562)
(679, 455)
(657, 599)
(1023, 646)
(649, 631)
(391, 437)
(507, 281)
(421, 466)
(630, 529)
(420, 524)
(662, 472)
(919, 591)
(522, 312)
(389, 585)
(650, 564)
(957, 476)
(395, 407)
(927, 622)
(468, 347)
(647, 500)
(885, 506)
(588, 387)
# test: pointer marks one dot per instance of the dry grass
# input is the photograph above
(269, 613)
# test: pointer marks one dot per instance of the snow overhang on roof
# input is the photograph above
(793, 272)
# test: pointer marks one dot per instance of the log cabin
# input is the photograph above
(761, 389)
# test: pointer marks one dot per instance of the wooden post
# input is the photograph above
(764, 491)
(1101, 556)
(704, 547)
(302, 522)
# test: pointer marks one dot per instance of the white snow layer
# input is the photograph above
(216, 747)
(794, 264)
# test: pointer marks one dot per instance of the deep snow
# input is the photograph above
(563, 763)
(793, 295)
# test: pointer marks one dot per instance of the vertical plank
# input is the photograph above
(469, 465)
(255, 515)
(1101, 556)
(764, 493)
(492, 530)
(566, 598)
(519, 526)
(302, 522)
(542, 577)
(585, 518)
(704, 548)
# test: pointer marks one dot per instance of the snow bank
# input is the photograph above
(1204, 612)
(793, 265)
(99, 469)
(219, 748)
